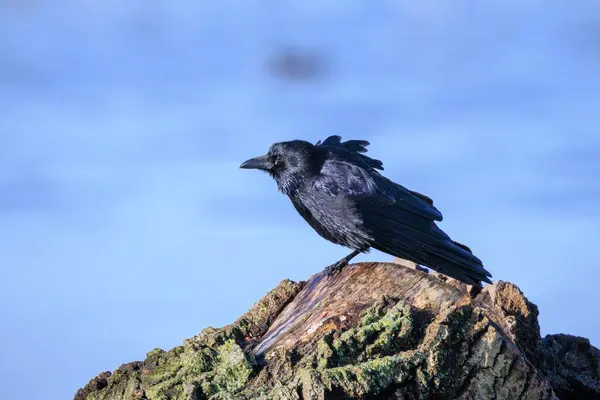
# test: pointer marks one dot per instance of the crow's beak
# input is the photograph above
(261, 162)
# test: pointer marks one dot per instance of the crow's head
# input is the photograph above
(287, 162)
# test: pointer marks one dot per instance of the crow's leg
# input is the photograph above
(338, 266)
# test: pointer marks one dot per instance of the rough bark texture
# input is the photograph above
(373, 331)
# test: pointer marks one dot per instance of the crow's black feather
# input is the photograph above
(351, 149)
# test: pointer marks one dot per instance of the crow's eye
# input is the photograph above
(276, 160)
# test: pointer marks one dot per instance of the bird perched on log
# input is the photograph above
(338, 190)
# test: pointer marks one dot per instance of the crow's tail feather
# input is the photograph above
(456, 266)
(445, 256)
(452, 268)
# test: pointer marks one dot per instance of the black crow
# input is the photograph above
(343, 197)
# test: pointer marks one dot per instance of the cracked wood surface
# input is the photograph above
(337, 301)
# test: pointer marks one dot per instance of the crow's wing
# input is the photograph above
(401, 222)
(344, 177)
(359, 173)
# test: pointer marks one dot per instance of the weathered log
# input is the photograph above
(373, 331)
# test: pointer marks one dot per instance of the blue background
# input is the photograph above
(125, 223)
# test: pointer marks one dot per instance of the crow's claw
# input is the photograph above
(335, 268)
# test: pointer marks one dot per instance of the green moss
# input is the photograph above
(373, 313)
(324, 352)
(195, 363)
(155, 353)
(165, 371)
(233, 369)
(174, 369)
(371, 377)
(380, 331)
(165, 392)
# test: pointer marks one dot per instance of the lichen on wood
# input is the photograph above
(375, 330)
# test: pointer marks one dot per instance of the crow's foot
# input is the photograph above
(336, 267)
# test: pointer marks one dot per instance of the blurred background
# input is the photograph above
(126, 224)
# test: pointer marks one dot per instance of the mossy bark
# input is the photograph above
(374, 331)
